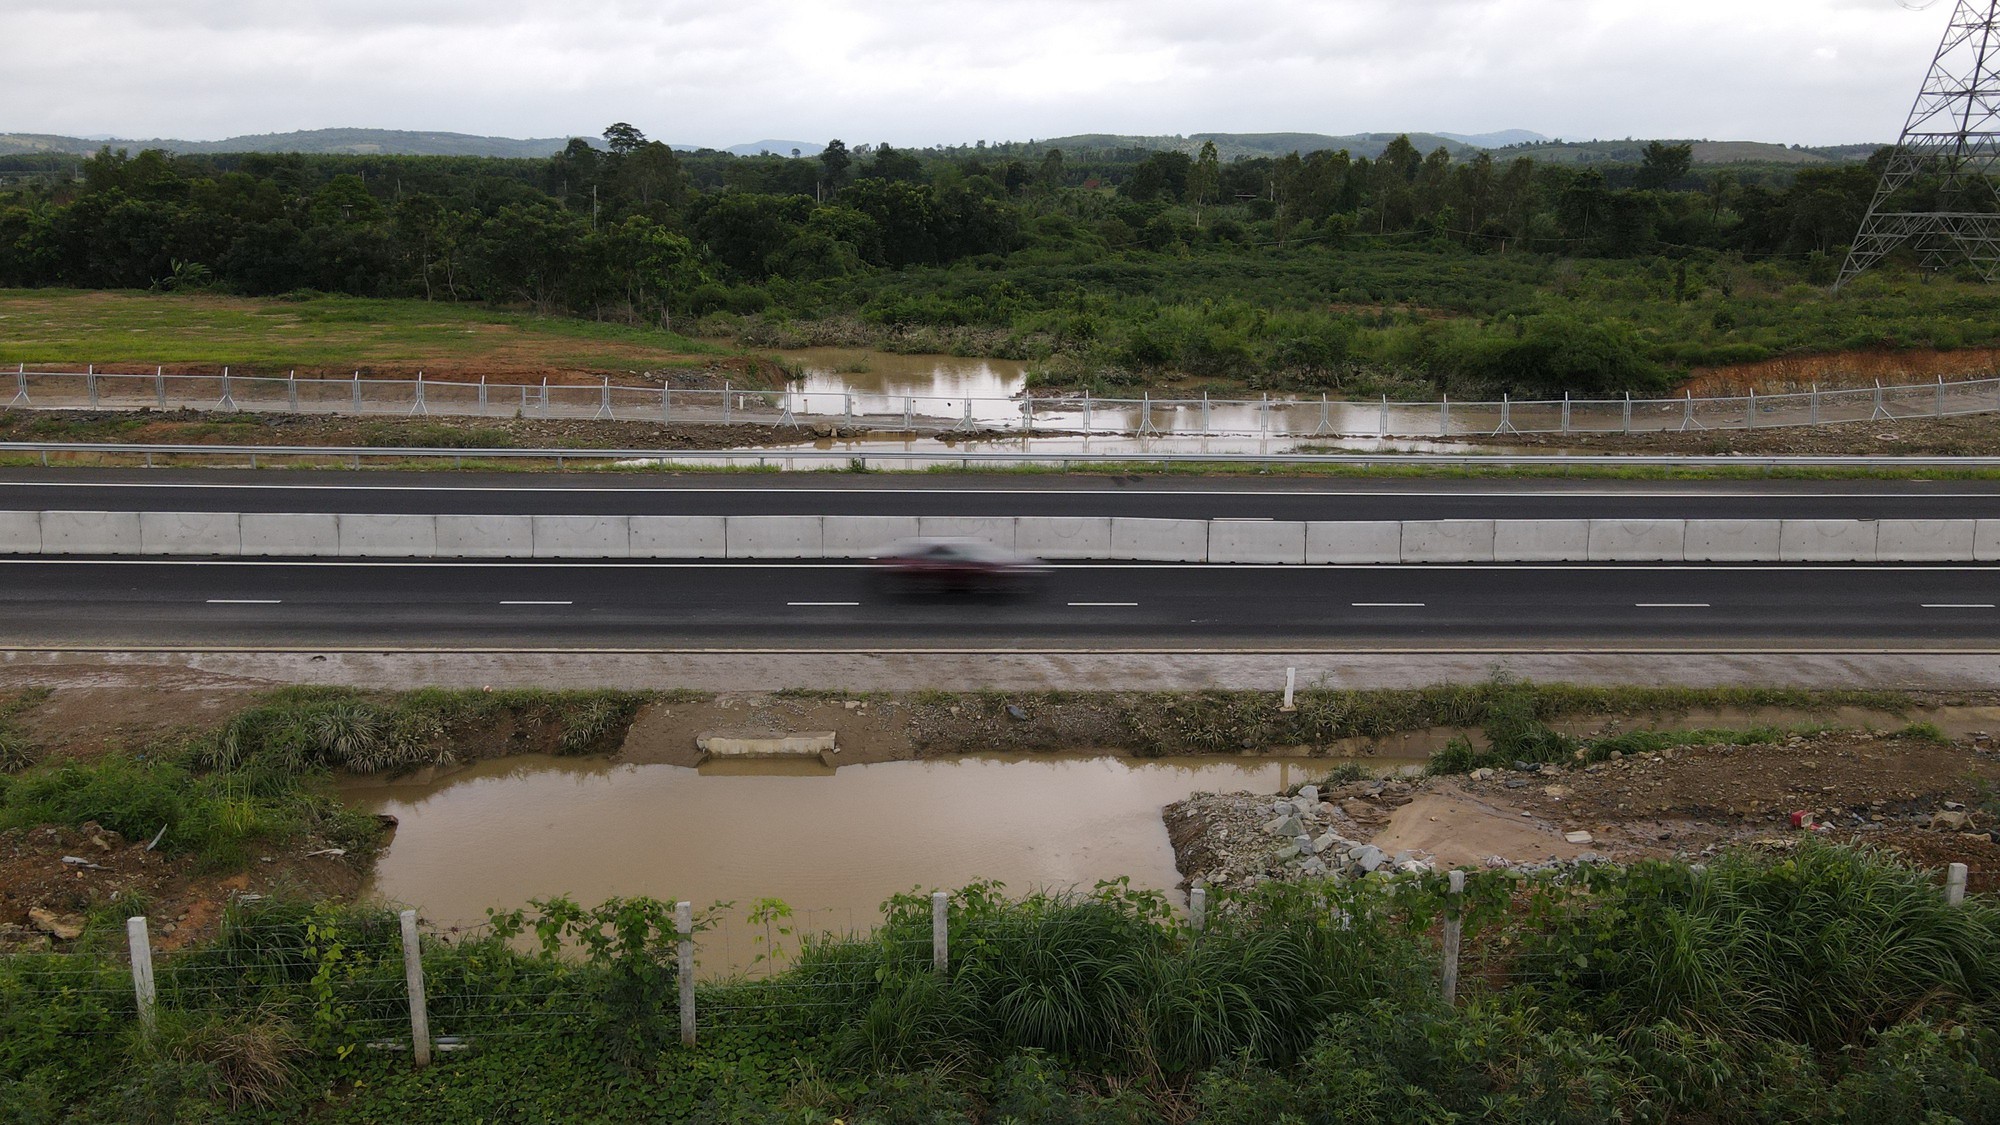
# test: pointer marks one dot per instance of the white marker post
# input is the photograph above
(413, 978)
(1291, 682)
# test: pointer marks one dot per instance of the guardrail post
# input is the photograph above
(90, 382)
(684, 926)
(1954, 884)
(413, 980)
(940, 932)
(1454, 931)
(228, 400)
(1197, 907)
(141, 945)
(160, 387)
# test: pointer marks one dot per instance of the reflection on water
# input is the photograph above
(832, 843)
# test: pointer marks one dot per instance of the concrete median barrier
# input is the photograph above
(1540, 540)
(485, 537)
(1261, 541)
(1986, 541)
(862, 537)
(1354, 543)
(1144, 540)
(388, 537)
(1638, 540)
(289, 534)
(1731, 540)
(90, 533)
(20, 533)
(1827, 541)
(772, 537)
(1063, 537)
(997, 530)
(582, 537)
(190, 533)
(1925, 540)
(678, 537)
(1447, 541)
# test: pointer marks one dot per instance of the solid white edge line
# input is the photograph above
(1104, 605)
(537, 603)
(244, 601)
(1064, 564)
(1672, 605)
(1387, 605)
(1978, 605)
(823, 603)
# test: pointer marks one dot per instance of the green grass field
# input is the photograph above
(73, 327)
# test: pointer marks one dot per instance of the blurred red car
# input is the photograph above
(958, 566)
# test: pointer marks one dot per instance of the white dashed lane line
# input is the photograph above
(244, 601)
(823, 604)
(537, 603)
(1104, 605)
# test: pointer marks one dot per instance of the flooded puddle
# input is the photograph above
(830, 843)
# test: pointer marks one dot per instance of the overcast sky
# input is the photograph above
(722, 72)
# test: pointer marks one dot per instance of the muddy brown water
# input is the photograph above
(832, 844)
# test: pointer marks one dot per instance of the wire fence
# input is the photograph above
(376, 980)
(1085, 414)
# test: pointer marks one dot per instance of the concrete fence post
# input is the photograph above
(1265, 417)
(1291, 683)
(292, 389)
(1815, 404)
(1938, 410)
(1565, 412)
(90, 382)
(684, 926)
(1750, 411)
(1954, 884)
(1204, 412)
(1454, 932)
(1198, 906)
(482, 396)
(357, 392)
(160, 387)
(1628, 412)
(1444, 417)
(940, 932)
(1381, 419)
(847, 409)
(909, 414)
(725, 402)
(666, 404)
(141, 945)
(1086, 414)
(413, 980)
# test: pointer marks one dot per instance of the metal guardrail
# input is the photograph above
(1082, 414)
(789, 458)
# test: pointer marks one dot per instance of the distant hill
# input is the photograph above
(777, 148)
(1501, 139)
(1230, 146)
(1631, 151)
(351, 142)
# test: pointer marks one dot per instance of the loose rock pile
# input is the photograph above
(1240, 840)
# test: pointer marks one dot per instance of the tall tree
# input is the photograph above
(1664, 165)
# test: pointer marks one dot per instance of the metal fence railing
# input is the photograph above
(1068, 414)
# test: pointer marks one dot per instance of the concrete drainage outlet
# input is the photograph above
(815, 745)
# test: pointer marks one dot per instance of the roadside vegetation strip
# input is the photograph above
(1832, 982)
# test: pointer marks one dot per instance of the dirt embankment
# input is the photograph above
(1935, 802)
(1835, 370)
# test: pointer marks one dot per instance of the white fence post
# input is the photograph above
(940, 932)
(684, 926)
(1628, 412)
(1939, 410)
(413, 978)
(1198, 906)
(228, 401)
(137, 939)
(160, 387)
(1750, 411)
(1291, 682)
(1454, 931)
(1444, 417)
(1954, 884)
(20, 385)
(666, 404)
(1815, 404)
(357, 392)
(482, 396)
(1565, 412)
(1381, 419)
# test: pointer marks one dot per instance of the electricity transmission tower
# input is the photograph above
(1937, 190)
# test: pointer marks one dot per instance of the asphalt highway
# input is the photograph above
(988, 495)
(661, 605)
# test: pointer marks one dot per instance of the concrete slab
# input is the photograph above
(90, 533)
(678, 537)
(772, 537)
(1541, 540)
(20, 533)
(582, 537)
(1354, 542)
(997, 530)
(1063, 537)
(1732, 540)
(388, 537)
(1261, 541)
(190, 533)
(1925, 540)
(1638, 540)
(290, 534)
(863, 537)
(486, 537)
(1827, 541)
(1447, 541)
(1159, 540)
(817, 745)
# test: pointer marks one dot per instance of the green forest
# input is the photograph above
(1405, 275)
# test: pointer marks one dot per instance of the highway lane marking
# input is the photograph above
(1104, 605)
(1388, 605)
(1672, 605)
(823, 603)
(244, 601)
(537, 603)
(1076, 565)
(1976, 605)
